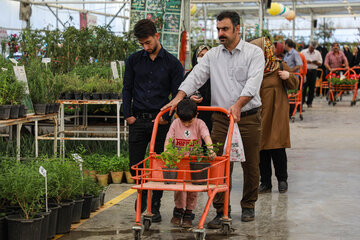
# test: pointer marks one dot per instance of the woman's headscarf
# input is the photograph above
(271, 61)
(197, 52)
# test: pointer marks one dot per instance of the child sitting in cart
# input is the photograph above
(185, 130)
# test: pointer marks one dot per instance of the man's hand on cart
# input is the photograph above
(162, 121)
(131, 120)
(173, 103)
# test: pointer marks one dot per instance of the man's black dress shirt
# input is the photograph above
(149, 83)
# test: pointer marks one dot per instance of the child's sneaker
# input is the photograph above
(177, 216)
(187, 219)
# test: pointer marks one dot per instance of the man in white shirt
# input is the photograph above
(314, 60)
(235, 69)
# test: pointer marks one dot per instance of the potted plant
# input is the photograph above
(24, 186)
(171, 157)
(16, 93)
(102, 168)
(89, 165)
(89, 188)
(5, 107)
(203, 158)
(116, 169)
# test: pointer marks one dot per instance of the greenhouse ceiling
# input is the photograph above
(304, 8)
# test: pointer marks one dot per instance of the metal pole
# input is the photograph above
(312, 25)
(187, 26)
(261, 16)
(205, 21)
(118, 127)
(18, 131)
(36, 139)
(293, 23)
(114, 16)
(57, 16)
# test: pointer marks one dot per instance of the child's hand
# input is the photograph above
(212, 155)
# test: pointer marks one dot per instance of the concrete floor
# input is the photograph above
(322, 201)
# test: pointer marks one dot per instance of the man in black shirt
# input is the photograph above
(151, 75)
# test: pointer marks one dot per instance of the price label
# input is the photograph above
(13, 60)
(46, 60)
(4, 69)
(77, 157)
(42, 171)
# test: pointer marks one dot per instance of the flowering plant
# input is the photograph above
(13, 44)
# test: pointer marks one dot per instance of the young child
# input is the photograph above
(183, 130)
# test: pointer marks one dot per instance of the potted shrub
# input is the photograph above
(16, 94)
(203, 158)
(89, 165)
(89, 188)
(102, 168)
(116, 169)
(5, 107)
(24, 186)
(171, 156)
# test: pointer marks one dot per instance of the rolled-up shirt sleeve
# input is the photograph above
(255, 75)
(198, 76)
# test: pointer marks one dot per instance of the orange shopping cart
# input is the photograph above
(319, 81)
(295, 98)
(151, 178)
(337, 85)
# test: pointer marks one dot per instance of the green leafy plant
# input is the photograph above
(203, 154)
(90, 187)
(172, 155)
(345, 81)
(116, 164)
(103, 165)
(24, 186)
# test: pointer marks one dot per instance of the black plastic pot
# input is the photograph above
(86, 208)
(64, 218)
(77, 210)
(40, 109)
(5, 112)
(3, 228)
(199, 175)
(56, 107)
(53, 220)
(69, 96)
(105, 96)
(95, 204)
(170, 175)
(45, 224)
(24, 229)
(14, 111)
(114, 96)
(86, 96)
(96, 96)
(77, 96)
(22, 111)
(102, 198)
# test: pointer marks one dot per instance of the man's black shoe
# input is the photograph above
(283, 186)
(264, 188)
(216, 222)
(155, 209)
(248, 214)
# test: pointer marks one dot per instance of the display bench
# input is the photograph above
(73, 133)
(19, 122)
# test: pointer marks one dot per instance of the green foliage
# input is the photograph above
(118, 164)
(103, 165)
(90, 187)
(345, 81)
(203, 154)
(21, 184)
(11, 90)
(172, 155)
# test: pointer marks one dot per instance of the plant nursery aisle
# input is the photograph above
(322, 201)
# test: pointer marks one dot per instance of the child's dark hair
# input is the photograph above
(186, 110)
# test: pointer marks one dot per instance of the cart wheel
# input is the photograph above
(352, 103)
(200, 236)
(137, 234)
(292, 119)
(226, 229)
(334, 103)
(301, 117)
(147, 224)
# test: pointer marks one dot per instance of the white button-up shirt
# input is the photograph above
(232, 75)
(314, 56)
